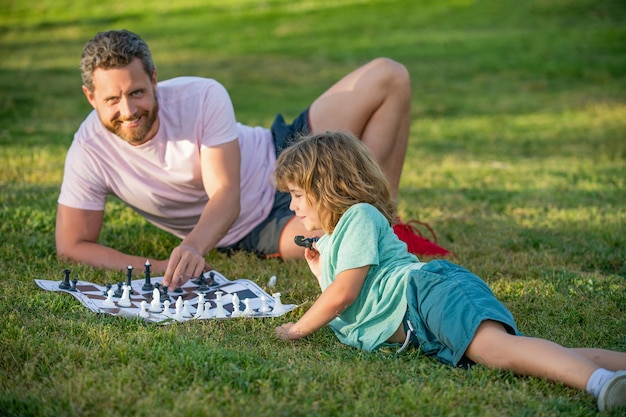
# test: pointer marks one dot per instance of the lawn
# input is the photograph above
(516, 159)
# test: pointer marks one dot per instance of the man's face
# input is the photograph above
(126, 103)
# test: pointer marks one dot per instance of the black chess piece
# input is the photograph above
(147, 286)
(211, 280)
(202, 283)
(164, 295)
(119, 291)
(129, 279)
(305, 242)
(108, 287)
(73, 287)
(65, 284)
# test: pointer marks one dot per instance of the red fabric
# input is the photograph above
(416, 243)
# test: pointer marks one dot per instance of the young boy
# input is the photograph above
(374, 292)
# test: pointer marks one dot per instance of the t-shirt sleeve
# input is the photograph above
(359, 234)
(219, 124)
(81, 188)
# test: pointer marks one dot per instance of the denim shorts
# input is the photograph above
(446, 304)
(263, 239)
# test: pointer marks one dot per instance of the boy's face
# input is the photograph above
(305, 211)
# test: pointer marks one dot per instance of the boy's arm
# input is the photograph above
(337, 297)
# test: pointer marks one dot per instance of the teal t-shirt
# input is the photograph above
(364, 237)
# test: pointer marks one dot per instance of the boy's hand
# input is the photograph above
(283, 331)
(312, 257)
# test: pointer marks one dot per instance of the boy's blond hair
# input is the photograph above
(336, 171)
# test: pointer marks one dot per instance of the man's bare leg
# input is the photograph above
(374, 103)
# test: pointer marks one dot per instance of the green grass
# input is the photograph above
(517, 159)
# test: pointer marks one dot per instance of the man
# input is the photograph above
(174, 152)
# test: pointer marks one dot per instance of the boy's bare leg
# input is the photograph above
(494, 347)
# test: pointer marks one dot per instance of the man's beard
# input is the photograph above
(137, 135)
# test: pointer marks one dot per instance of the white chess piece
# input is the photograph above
(144, 312)
(178, 315)
(279, 308)
(236, 311)
(220, 311)
(166, 308)
(109, 301)
(248, 310)
(125, 300)
(272, 282)
(264, 307)
(200, 308)
(186, 311)
(206, 314)
(155, 305)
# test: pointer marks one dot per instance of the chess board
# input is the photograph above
(93, 296)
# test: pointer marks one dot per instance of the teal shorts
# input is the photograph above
(446, 304)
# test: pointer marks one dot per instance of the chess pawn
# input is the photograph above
(265, 309)
(166, 308)
(279, 308)
(248, 311)
(109, 301)
(144, 312)
(186, 311)
(206, 314)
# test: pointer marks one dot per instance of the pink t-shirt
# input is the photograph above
(161, 179)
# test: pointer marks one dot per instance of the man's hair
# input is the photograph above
(335, 170)
(113, 49)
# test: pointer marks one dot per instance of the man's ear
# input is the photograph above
(154, 78)
(90, 96)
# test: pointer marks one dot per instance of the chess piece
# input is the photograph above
(279, 308)
(166, 308)
(144, 312)
(200, 308)
(164, 295)
(147, 285)
(265, 309)
(248, 311)
(109, 301)
(129, 276)
(272, 282)
(236, 311)
(220, 311)
(119, 291)
(178, 315)
(155, 305)
(73, 286)
(108, 287)
(206, 314)
(65, 284)
(186, 312)
(125, 300)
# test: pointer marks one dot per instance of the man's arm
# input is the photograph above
(77, 234)
(221, 177)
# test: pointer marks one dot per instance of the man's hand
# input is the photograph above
(185, 262)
